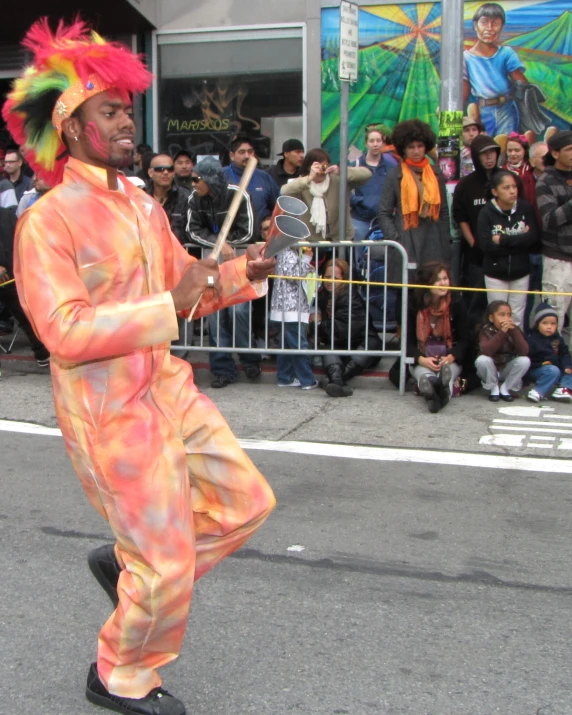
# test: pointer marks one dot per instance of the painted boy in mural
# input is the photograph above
(490, 72)
(494, 75)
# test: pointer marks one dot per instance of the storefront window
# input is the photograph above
(214, 85)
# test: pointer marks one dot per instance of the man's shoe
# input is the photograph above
(103, 565)
(157, 702)
(294, 383)
(252, 371)
(222, 381)
(534, 396)
(562, 394)
(311, 386)
(43, 363)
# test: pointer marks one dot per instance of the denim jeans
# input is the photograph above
(535, 284)
(222, 336)
(500, 118)
(548, 377)
(290, 366)
(361, 229)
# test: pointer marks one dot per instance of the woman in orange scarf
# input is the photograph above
(413, 209)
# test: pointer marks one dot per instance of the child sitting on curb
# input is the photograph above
(551, 364)
(503, 352)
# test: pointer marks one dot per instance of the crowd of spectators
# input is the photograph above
(513, 209)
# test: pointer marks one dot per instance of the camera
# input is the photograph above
(324, 168)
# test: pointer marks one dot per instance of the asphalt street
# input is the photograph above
(374, 588)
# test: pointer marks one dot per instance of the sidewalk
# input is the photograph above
(375, 415)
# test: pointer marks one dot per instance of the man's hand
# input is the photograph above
(227, 252)
(258, 268)
(195, 282)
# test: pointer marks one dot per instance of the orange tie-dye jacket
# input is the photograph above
(94, 269)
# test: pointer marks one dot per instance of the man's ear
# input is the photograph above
(71, 128)
(150, 172)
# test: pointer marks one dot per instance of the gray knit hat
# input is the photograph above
(211, 171)
(544, 310)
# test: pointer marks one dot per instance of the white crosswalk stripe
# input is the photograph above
(530, 428)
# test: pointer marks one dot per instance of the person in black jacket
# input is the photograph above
(550, 361)
(506, 231)
(172, 197)
(344, 324)
(437, 335)
(289, 166)
(8, 293)
(207, 209)
(469, 197)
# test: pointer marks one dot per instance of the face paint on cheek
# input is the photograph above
(94, 138)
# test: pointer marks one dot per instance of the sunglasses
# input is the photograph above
(159, 169)
(196, 179)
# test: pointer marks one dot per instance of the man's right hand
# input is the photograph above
(195, 282)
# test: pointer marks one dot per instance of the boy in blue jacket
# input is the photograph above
(551, 364)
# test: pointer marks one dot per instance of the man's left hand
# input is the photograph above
(258, 268)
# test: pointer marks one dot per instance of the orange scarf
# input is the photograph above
(441, 317)
(431, 204)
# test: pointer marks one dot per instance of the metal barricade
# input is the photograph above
(222, 339)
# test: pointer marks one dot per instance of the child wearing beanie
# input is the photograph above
(551, 364)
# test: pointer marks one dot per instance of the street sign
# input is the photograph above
(349, 41)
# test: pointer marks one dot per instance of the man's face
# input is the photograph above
(12, 164)
(469, 133)
(265, 227)
(183, 166)
(40, 185)
(488, 29)
(105, 130)
(200, 185)
(564, 158)
(537, 157)
(488, 159)
(162, 171)
(295, 157)
(241, 156)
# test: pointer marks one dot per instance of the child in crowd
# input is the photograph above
(503, 352)
(551, 364)
(291, 310)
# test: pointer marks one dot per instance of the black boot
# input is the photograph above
(352, 369)
(428, 387)
(336, 386)
(443, 385)
(157, 702)
(103, 565)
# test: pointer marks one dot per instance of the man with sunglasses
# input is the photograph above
(172, 197)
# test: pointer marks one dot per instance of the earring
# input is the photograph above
(75, 138)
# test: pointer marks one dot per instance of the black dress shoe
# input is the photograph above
(157, 702)
(494, 398)
(103, 565)
(507, 398)
(252, 371)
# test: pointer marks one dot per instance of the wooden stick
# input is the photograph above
(229, 219)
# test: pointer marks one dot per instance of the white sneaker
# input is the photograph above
(312, 386)
(295, 383)
(534, 396)
(562, 394)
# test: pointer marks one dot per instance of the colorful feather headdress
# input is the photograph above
(70, 65)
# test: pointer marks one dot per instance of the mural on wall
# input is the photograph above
(517, 73)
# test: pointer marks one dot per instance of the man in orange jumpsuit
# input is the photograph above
(102, 279)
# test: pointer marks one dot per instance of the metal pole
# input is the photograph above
(344, 118)
(451, 97)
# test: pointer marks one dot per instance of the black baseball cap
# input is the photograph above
(291, 145)
(184, 152)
